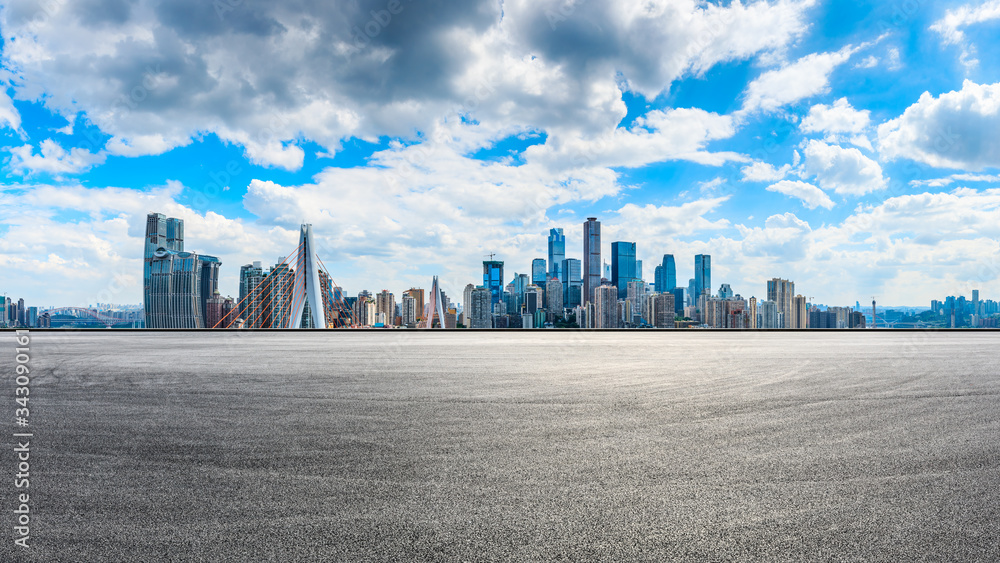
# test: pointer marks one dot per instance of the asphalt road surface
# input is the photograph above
(525, 446)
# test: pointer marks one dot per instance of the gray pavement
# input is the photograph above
(403, 446)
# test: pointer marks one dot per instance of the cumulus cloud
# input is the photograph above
(804, 78)
(837, 118)
(951, 179)
(155, 75)
(52, 159)
(955, 130)
(811, 196)
(845, 171)
(950, 27)
(9, 116)
(760, 171)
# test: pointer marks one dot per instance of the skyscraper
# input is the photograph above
(493, 279)
(781, 292)
(180, 284)
(702, 274)
(725, 291)
(591, 257)
(605, 306)
(479, 315)
(669, 274)
(418, 296)
(800, 312)
(557, 252)
(538, 271)
(623, 266)
(554, 302)
(572, 282)
(252, 304)
(467, 303)
(658, 279)
(409, 310)
(385, 304)
(167, 234)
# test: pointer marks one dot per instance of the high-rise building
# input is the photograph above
(32, 318)
(554, 302)
(538, 272)
(534, 299)
(678, 293)
(800, 312)
(180, 284)
(557, 253)
(658, 279)
(467, 303)
(591, 257)
(692, 299)
(725, 292)
(623, 266)
(479, 315)
(605, 301)
(635, 293)
(409, 310)
(385, 303)
(769, 315)
(219, 311)
(572, 282)
(418, 295)
(252, 306)
(279, 285)
(781, 292)
(493, 279)
(752, 313)
(176, 284)
(664, 310)
(669, 274)
(702, 274)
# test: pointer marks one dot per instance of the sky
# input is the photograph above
(851, 147)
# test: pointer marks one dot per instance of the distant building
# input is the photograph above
(479, 315)
(557, 253)
(781, 292)
(800, 312)
(418, 295)
(702, 275)
(725, 292)
(493, 279)
(409, 310)
(623, 266)
(664, 312)
(591, 257)
(176, 284)
(554, 301)
(572, 283)
(385, 304)
(606, 306)
(538, 271)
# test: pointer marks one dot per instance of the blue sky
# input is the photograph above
(848, 146)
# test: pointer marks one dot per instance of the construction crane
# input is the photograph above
(491, 255)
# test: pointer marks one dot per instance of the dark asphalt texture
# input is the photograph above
(527, 446)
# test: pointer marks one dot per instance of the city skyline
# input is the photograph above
(790, 140)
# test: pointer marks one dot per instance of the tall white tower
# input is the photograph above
(306, 287)
(435, 305)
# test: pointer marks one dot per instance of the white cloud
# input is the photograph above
(811, 196)
(760, 171)
(838, 118)
(804, 78)
(870, 61)
(950, 26)
(845, 171)
(52, 159)
(948, 180)
(9, 116)
(955, 130)
(155, 75)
